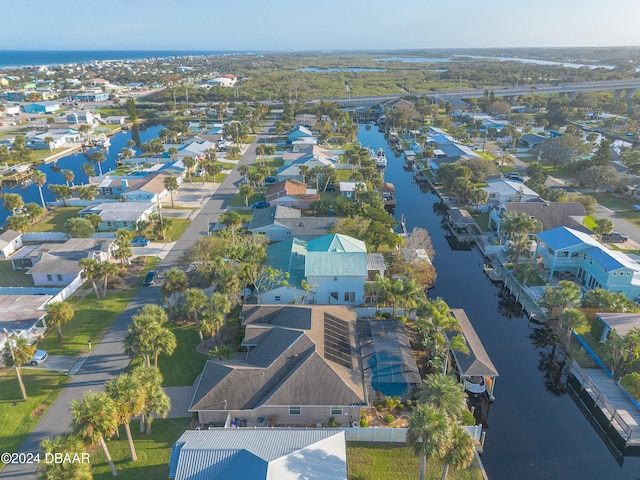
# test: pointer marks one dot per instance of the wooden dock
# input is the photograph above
(18, 178)
(610, 408)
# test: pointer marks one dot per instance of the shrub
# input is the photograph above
(388, 418)
(409, 403)
(631, 383)
(333, 423)
(364, 422)
(468, 418)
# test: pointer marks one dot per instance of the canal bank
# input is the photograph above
(534, 431)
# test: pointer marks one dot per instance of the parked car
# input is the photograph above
(269, 180)
(200, 172)
(260, 204)
(39, 357)
(330, 188)
(636, 208)
(615, 237)
(140, 242)
(150, 279)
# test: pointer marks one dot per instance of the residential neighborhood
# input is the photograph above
(255, 289)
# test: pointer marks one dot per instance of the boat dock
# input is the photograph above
(612, 411)
(20, 177)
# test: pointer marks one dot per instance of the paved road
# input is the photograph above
(108, 358)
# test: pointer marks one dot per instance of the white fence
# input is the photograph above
(393, 435)
(39, 237)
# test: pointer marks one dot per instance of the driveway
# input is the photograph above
(107, 359)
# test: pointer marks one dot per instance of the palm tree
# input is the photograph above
(444, 392)
(460, 451)
(95, 417)
(175, 282)
(189, 162)
(66, 443)
(17, 351)
(129, 400)
(571, 318)
(246, 191)
(156, 401)
(98, 158)
(564, 295)
(68, 176)
(195, 301)
(221, 303)
(428, 434)
(58, 313)
(243, 170)
(148, 336)
(40, 178)
(90, 272)
(88, 169)
(171, 184)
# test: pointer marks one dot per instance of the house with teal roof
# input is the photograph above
(329, 270)
(563, 250)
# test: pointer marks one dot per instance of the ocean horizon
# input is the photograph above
(28, 58)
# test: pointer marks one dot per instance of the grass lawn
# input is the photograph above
(13, 278)
(55, 222)
(153, 451)
(238, 200)
(381, 461)
(177, 228)
(482, 219)
(18, 417)
(245, 215)
(92, 318)
(186, 363)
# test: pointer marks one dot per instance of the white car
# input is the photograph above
(39, 357)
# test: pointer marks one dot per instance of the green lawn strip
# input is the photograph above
(56, 221)
(153, 451)
(615, 202)
(381, 461)
(238, 200)
(17, 418)
(220, 177)
(177, 228)
(343, 175)
(13, 278)
(482, 219)
(92, 318)
(185, 364)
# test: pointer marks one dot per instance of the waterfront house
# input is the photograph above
(333, 267)
(279, 223)
(621, 322)
(10, 242)
(52, 139)
(349, 189)
(83, 116)
(120, 215)
(259, 454)
(115, 120)
(301, 367)
(564, 251)
(501, 190)
(549, 214)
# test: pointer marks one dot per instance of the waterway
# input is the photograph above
(74, 162)
(532, 433)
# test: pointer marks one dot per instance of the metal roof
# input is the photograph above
(564, 237)
(255, 454)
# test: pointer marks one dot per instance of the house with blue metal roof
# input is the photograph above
(563, 250)
(264, 453)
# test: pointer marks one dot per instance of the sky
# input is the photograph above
(317, 25)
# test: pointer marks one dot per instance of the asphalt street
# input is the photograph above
(107, 359)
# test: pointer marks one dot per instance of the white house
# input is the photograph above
(51, 139)
(349, 189)
(10, 242)
(501, 190)
(120, 215)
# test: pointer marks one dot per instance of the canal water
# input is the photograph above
(74, 163)
(532, 432)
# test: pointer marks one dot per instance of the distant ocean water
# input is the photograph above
(25, 58)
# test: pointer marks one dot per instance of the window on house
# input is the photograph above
(350, 297)
(336, 410)
(59, 277)
(335, 279)
(49, 278)
(277, 298)
(334, 295)
(295, 410)
(125, 224)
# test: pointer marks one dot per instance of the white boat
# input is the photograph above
(381, 158)
(475, 385)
